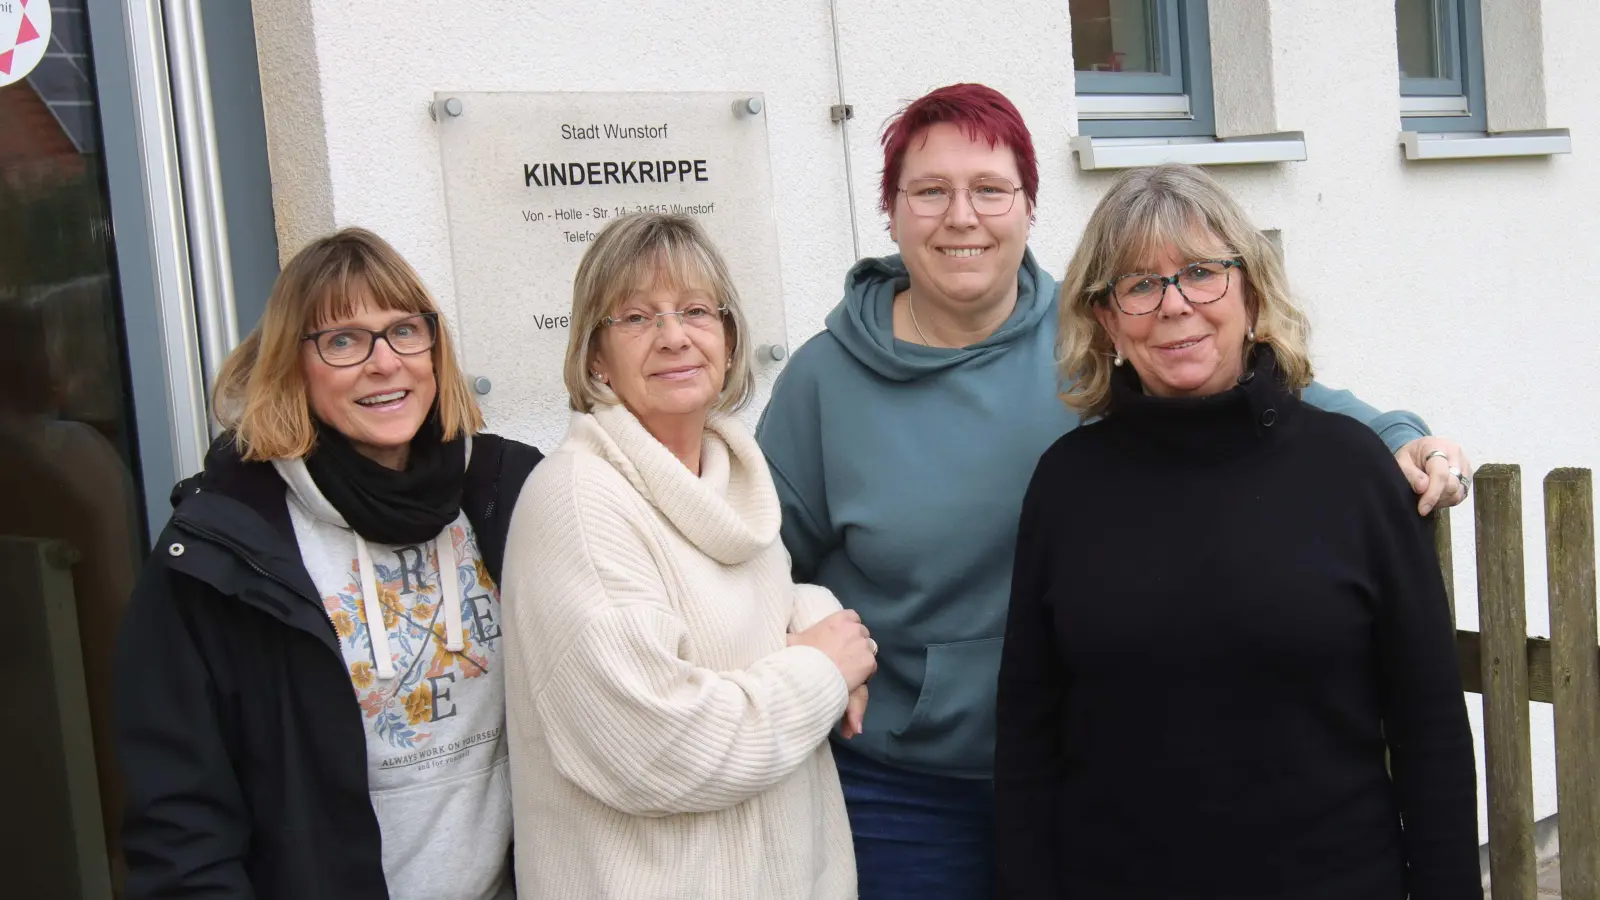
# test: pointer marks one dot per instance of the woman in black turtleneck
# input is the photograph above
(1226, 616)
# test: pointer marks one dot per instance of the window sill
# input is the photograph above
(1127, 153)
(1420, 145)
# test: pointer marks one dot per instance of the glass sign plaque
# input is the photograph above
(531, 178)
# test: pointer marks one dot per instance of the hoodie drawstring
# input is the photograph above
(449, 584)
(377, 629)
(450, 581)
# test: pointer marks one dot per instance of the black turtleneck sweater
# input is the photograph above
(1224, 611)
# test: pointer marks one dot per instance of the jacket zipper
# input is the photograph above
(190, 526)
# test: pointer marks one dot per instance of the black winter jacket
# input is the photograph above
(239, 735)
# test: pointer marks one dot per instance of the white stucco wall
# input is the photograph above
(1463, 290)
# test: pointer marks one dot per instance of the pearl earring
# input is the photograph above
(1119, 360)
(1250, 336)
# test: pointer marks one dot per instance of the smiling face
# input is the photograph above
(379, 404)
(664, 368)
(1183, 348)
(961, 259)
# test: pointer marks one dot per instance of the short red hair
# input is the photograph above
(983, 111)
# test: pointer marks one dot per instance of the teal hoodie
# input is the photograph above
(901, 469)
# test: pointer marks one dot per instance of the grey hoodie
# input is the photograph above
(901, 469)
(431, 692)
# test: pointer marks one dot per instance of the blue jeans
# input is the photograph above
(918, 837)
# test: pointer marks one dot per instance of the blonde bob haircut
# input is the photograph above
(1145, 211)
(260, 393)
(645, 251)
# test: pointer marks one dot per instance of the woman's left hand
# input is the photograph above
(854, 713)
(1431, 465)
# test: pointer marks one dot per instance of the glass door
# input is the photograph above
(69, 453)
(112, 187)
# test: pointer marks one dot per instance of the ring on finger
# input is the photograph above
(1466, 484)
(1433, 453)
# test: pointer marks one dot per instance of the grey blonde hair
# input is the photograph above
(648, 250)
(1145, 211)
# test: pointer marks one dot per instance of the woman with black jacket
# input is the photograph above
(1229, 667)
(310, 700)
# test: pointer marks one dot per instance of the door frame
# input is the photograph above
(178, 250)
(139, 150)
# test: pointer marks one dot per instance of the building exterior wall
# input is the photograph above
(1463, 290)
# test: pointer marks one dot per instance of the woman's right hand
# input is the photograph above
(846, 641)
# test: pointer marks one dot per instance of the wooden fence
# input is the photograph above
(1511, 669)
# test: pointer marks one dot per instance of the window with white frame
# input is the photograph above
(1441, 65)
(1143, 68)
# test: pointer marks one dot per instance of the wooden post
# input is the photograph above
(1569, 548)
(1447, 568)
(1504, 662)
(1468, 656)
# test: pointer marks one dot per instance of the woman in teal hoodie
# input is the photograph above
(901, 440)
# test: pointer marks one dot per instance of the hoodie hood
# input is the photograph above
(863, 322)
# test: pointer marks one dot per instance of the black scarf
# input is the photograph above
(385, 506)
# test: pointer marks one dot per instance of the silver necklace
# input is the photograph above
(912, 309)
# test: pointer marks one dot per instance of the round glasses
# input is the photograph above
(1205, 281)
(636, 323)
(931, 196)
(350, 346)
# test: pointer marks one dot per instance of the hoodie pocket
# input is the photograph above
(447, 837)
(952, 725)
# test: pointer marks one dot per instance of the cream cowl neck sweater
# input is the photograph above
(665, 742)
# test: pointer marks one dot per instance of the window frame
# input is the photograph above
(1145, 104)
(1167, 81)
(1450, 105)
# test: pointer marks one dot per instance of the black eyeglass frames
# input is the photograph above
(351, 346)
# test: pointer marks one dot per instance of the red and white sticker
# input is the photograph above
(24, 37)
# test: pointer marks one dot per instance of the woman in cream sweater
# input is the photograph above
(671, 690)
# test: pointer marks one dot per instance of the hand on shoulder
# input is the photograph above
(1438, 471)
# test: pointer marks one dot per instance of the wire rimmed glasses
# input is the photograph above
(990, 196)
(350, 346)
(636, 322)
(1203, 281)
